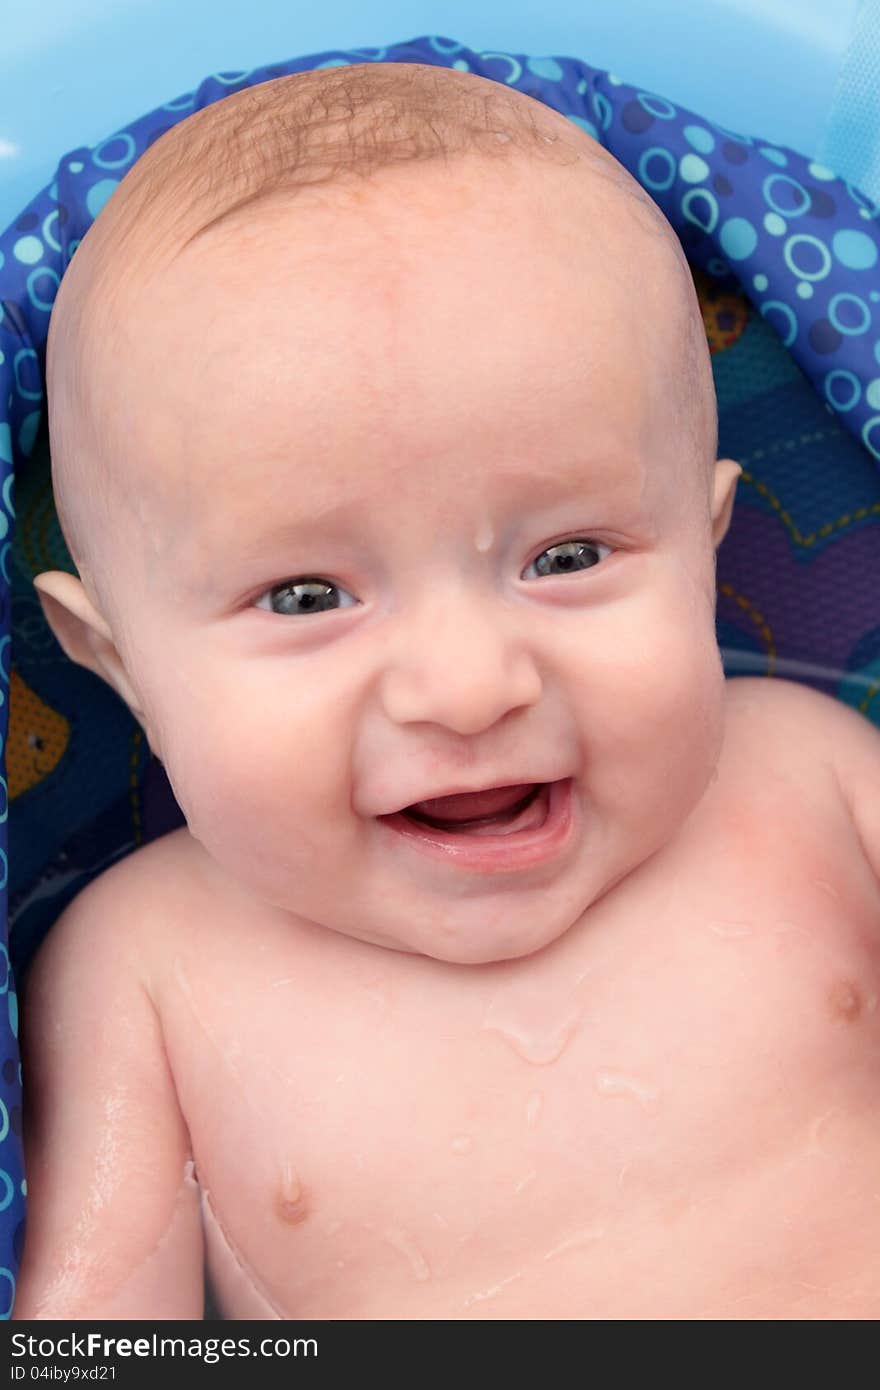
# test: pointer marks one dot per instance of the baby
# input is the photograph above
(511, 964)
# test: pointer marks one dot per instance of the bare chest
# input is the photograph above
(695, 1069)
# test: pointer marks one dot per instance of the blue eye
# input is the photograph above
(307, 595)
(570, 556)
(310, 594)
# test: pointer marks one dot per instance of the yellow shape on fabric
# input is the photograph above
(38, 738)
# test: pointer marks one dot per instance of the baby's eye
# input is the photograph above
(307, 595)
(569, 556)
(312, 595)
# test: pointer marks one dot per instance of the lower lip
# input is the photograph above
(495, 854)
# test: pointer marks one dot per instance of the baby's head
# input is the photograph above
(384, 441)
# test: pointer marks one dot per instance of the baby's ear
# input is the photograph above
(727, 472)
(83, 633)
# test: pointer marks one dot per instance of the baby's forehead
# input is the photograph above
(535, 240)
(285, 317)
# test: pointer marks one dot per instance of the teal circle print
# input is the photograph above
(807, 247)
(50, 279)
(5, 1312)
(700, 207)
(693, 169)
(849, 314)
(855, 250)
(785, 195)
(843, 389)
(738, 238)
(774, 309)
(699, 138)
(129, 147)
(657, 106)
(602, 108)
(657, 169)
(871, 435)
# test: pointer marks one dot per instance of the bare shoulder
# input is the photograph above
(146, 877)
(813, 735)
(123, 915)
(813, 724)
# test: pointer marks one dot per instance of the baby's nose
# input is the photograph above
(460, 668)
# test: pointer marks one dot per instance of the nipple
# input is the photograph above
(845, 1001)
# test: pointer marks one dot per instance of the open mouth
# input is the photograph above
(535, 827)
(514, 812)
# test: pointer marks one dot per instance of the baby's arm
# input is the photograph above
(856, 756)
(113, 1222)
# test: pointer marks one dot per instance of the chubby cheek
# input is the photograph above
(257, 770)
(651, 711)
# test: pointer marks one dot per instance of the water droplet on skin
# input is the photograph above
(462, 1144)
(533, 1108)
(537, 1025)
(404, 1244)
(490, 1293)
(818, 1127)
(731, 929)
(485, 536)
(616, 1083)
(291, 1201)
(827, 887)
(587, 1236)
(377, 989)
(290, 1186)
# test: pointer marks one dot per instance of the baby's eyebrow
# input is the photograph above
(294, 528)
(517, 486)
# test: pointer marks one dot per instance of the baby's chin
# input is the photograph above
(473, 942)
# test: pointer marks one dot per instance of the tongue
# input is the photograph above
(472, 805)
